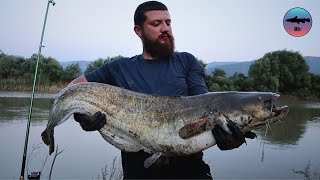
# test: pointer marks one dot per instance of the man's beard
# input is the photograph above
(157, 49)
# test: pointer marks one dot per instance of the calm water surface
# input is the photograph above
(287, 146)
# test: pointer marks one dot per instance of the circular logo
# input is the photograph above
(297, 22)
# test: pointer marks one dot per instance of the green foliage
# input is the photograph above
(315, 85)
(53, 68)
(219, 73)
(94, 65)
(241, 82)
(281, 71)
(50, 69)
(10, 66)
(203, 64)
(99, 62)
(218, 81)
(15, 71)
(71, 72)
(265, 74)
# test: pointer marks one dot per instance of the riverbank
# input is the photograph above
(22, 88)
(19, 94)
(298, 98)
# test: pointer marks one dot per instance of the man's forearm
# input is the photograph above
(78, 80)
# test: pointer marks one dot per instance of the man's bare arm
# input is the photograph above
(80, 79)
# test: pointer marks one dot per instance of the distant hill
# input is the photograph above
(215, 64)
(83, 64)
(243, 67)
(314, 64)
(229, 67)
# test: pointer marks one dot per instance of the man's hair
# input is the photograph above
(139, 16)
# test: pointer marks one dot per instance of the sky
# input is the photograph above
(211, 30)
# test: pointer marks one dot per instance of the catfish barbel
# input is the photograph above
(162, 125)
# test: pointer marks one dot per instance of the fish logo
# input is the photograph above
(297, 22)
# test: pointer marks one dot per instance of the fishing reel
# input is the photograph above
(34, 175)
(53, 3)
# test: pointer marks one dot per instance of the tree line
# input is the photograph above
(281, 71)
(17, 73)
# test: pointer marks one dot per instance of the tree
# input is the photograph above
(94, 65)
(315, 85)
(10, 66)
(284, 71)
(71, 72)
(99, 62)
(53, 68)
(218, 81)
(241, 82)
(1, 53)
(50, 69)
(203, 64)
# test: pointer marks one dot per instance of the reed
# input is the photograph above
(26, 85)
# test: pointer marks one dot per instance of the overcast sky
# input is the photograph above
(211, 30)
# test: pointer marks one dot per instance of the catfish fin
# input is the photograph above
(214, 117)
(48, 139)
(195, 127)
(221, 119)
(152, 159)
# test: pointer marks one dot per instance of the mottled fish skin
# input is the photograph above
(171, 126)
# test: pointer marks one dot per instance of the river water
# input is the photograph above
(290, 145)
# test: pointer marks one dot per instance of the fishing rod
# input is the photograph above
(32, 95)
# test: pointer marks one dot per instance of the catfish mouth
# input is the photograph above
(279, 112)
(276, 113)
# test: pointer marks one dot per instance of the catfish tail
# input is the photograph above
(48, 139)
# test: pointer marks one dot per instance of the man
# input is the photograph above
(158, 70)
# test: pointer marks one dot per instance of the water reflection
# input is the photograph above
(293, 126)
(9, 94)
(14, 108)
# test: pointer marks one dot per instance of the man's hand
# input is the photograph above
(91, 123)
(226, 141)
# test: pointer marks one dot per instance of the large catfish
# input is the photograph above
(162, 125)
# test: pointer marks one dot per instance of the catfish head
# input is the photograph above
(248, 110)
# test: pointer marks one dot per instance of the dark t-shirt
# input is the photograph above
(180, 75)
